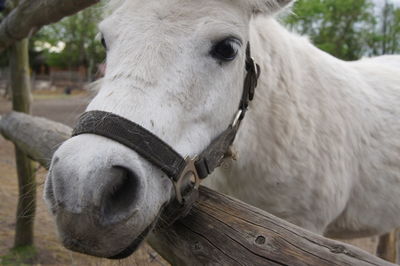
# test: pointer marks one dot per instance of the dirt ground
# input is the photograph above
(64, 109)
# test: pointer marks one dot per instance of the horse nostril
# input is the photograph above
(120, 194)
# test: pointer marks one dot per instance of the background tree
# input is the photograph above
(348, 29)
(386, 37)
(74, 41)
(21, 99)
(21, 11)
(21, 96)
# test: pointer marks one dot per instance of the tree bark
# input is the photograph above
(385, 22)
(20, 77)
(29, 16)
(36, 136)
(21, 98)
(219, 230)
(387, 246)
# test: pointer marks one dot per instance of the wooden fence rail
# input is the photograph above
(219, 230)
(29, 16)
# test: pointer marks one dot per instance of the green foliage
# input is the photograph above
(386, 37)
(339, 27)
(348, 29)
(78, 34)
(19, 256)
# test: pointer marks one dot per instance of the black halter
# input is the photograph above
(159, 153)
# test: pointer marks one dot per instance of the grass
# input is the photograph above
(25, 255)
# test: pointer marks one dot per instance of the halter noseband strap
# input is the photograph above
(159, 153)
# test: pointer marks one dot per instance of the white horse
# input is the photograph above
(320, 146)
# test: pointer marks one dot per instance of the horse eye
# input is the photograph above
(226, 50)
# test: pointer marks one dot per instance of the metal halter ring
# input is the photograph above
(253, 61)
(187, 173)
(237, 118)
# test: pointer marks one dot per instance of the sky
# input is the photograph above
(381, 2)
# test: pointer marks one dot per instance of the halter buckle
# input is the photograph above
(187, 173)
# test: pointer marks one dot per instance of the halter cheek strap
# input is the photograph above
(159, 153)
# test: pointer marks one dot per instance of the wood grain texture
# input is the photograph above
(36, 136)
(30, 15)
(388, 246)
(224, 231)
(219, 230)
(21, 98)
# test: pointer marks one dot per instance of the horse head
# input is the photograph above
(175, 68)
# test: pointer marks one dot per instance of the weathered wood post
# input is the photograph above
(388, 246)
(21, 98)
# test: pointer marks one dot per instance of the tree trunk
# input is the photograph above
(21, 98)
(385, 22)
(387, 246)
(29, 16)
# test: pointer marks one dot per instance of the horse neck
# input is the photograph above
(293, 81)
(289, 61)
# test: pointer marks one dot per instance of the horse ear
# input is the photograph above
(269, 6)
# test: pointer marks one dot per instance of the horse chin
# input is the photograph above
(77, 246)
(133, 246)
(113, 242)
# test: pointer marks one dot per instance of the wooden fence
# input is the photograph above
(219, 230)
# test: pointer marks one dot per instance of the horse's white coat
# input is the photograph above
(320, 146)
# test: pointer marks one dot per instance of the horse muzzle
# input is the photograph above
(102, 202)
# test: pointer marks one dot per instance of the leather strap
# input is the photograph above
(250, 82)
(149, 146)
(135, 137)
(213, 155)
